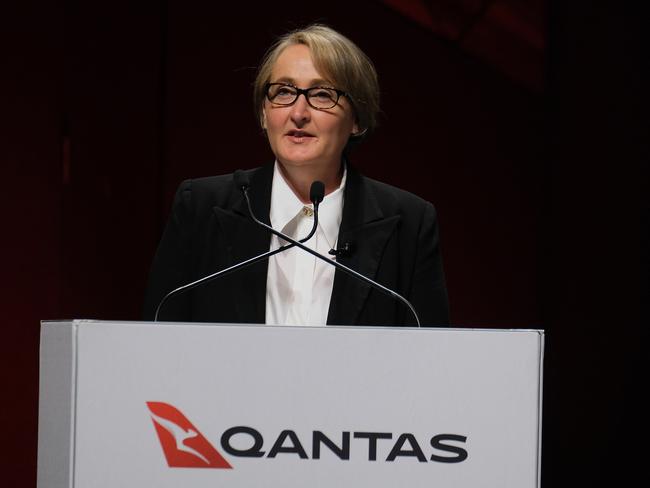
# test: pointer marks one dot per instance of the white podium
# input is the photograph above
(137, 404)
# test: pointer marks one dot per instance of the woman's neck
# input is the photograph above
(300, 178)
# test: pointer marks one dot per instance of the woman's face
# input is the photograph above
(299, 134)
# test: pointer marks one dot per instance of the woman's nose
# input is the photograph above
(300, 110)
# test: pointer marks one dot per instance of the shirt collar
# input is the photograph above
(285, 205)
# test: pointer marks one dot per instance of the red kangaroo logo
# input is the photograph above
(184, 446)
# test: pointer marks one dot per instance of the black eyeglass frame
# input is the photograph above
(305, 91)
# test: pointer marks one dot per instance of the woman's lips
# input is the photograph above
(298, 136)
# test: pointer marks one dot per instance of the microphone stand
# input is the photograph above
(316, 195)
(336, 264)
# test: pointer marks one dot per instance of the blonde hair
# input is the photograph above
(339, 60)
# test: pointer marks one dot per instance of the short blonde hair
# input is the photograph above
(339, 60)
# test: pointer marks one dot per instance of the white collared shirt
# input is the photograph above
(299, 285)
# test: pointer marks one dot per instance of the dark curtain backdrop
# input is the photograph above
(107, 108)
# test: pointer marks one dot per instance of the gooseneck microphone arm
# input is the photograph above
(316, 194)
(244, 187)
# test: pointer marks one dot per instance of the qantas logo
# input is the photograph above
(184, 446)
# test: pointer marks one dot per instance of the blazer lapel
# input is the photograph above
(247, 239)
(363, 225)
(366, 228)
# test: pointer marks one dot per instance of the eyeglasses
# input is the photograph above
(318, 97)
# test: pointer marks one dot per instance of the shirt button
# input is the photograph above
(308, 211)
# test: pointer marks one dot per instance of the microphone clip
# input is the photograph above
(341, 251)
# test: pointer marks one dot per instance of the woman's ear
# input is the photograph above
(263, 119)
(357, 132)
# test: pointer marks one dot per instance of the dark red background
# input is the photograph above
(519, 126)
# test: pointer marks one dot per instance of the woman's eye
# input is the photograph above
(323, 94)
(284, 92)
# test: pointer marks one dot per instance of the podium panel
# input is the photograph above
(135, 404)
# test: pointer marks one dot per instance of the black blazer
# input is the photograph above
(394, 237)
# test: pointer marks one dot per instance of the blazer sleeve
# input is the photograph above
(429, 292)
(171, 266)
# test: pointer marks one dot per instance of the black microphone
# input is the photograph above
(344, 250)
(336, 264)
(316, 195)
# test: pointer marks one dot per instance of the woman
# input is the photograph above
(316, 94)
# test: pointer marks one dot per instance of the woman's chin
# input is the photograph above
(297, 160)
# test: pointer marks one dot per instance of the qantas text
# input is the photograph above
(442, 448)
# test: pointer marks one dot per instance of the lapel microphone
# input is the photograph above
(316, 195)
(241, 180)
(344, 250)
